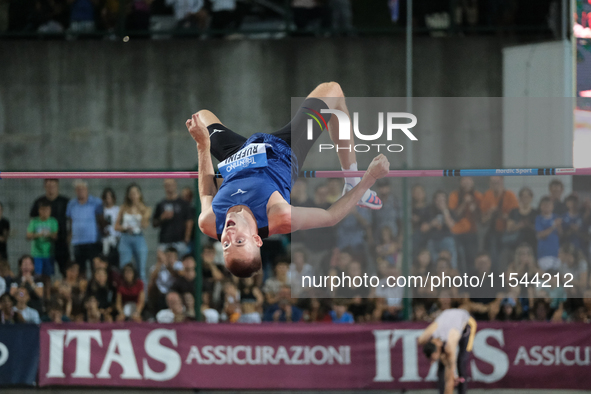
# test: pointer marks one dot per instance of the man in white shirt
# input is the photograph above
(29, 314)
(298, 269)
(175, 312)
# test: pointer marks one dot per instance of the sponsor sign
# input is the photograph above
(300, 356)
(19, 354)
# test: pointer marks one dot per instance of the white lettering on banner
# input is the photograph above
(257, 355)
(169, 357)
(3, 354)
(385, 340)
(410, 369)
(491, 355)
(553, 355)
(56, 354)
(120, 351)
(83, 341)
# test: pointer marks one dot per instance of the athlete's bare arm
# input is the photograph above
(472, 324)
(307, 218)
(197, 127)
(427, 334)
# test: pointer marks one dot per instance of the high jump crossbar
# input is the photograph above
(303, 174)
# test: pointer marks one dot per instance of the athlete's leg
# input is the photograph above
(328, 95)
(332, 94)
(441, 377)
(224, 142)
(463, 357)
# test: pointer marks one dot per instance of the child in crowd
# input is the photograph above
(42, 230)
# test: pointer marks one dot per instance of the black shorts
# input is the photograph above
(225, 142)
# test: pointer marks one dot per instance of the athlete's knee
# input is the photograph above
(207, 117)
(204, 113)
(333, 89)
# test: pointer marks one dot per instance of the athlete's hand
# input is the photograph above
(379, 167)
(198, 130)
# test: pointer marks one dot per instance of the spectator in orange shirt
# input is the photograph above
(465, 204)
(495, 206)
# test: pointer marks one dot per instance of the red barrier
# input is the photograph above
(300, 356)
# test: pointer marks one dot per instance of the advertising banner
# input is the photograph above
(298, 357)
(19, 354)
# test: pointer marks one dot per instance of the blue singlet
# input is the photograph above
(251, 184)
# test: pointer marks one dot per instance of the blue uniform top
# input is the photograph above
(250, 179)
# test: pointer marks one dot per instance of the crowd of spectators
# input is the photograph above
(100, 251)
(215, 18)
(498, 231)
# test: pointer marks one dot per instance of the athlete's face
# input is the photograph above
(239, 238)
(436, 355)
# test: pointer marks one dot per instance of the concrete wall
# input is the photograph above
(126, 103)
(538, 111)
(112, 105)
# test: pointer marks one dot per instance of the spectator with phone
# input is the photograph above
(27, 279)
(173, 216)
(110, 234)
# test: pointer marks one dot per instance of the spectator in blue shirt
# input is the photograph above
(548, 229)
(85, 217)
(283, 310)
(572, 222)
(339, 313)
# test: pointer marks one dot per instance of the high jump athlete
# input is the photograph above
(253, 201)
(453, 330)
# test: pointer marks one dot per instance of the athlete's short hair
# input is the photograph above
(244, 268)
(429, 348)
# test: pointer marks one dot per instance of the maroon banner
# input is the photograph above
(300, 356)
